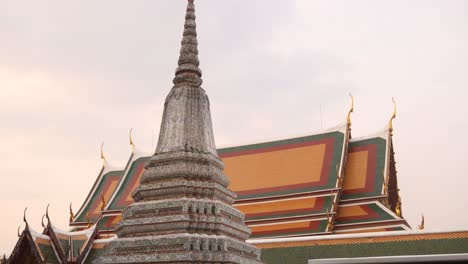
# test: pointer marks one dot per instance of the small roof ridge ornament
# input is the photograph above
(421, 226)
(132, 144)
(351, 110)
(24, 217)
(103, 158)
(71, 214)
(42, 221)
(47, 212)
(390, 122)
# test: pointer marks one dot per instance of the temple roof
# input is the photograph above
(349, 246)
(313, 184)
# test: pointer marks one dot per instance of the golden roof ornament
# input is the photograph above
(24, 216)
(71, 214)
(351, 110)
(132, 145)
(421, 226)
(42, 221)
(103, 158)
(398, 206)
(390, 122)
(47, 212)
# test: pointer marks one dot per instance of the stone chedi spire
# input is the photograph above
(183, 210)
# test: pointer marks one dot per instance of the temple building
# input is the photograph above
(324, 197)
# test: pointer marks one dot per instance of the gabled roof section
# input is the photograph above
(33, 247)
(71, 245)
(105, 185)
(366, 167)
(285, 167)
(288, 187)
(135, 168)
(367, 217)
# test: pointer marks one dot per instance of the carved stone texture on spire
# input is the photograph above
(183, 209)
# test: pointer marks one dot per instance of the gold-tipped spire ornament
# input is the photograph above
(24, 216)
(132, 145)
(71, 214)
(421, 226)
(351, 110)
(47, 212)
(103, 158)
(390, 122)
(398, 206)
(42, 221)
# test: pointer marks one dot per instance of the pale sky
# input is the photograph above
(76, 73)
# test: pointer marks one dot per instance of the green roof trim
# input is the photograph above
(300, 255)
(336, 134)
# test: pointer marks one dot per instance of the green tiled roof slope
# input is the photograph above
(301, 254)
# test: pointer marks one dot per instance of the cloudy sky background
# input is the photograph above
(74, 74)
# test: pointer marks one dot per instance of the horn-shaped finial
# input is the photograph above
(103, 158)
(398, 206)
(131, 139)
(71, 213)
(390, 123)
(19, 231)
(421, 226)
(42, 221)
(348, 118)
(24, 216)
(47, 212)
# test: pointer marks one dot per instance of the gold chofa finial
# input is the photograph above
(24, 216)
(42, 221)
(19, 234)
(131, 139)
(47, 212)
(71, 214)
(390, 123)
(398, 206)
(348, 118)
(421, 226)
(103, 158)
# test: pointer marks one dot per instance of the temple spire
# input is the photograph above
(183, 210)
(188, 71)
